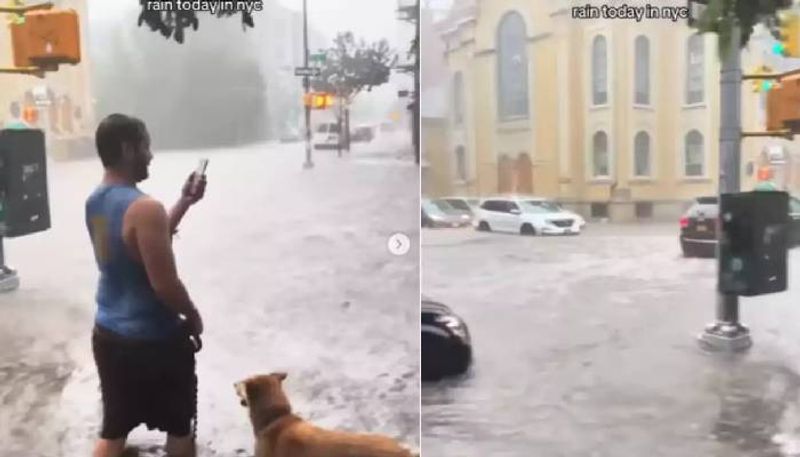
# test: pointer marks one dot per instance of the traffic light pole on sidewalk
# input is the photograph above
(306, 87)
(727, 333)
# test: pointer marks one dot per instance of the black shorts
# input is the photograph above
(145, 382)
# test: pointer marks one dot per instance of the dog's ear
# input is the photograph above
(281, 376)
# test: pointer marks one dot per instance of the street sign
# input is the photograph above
(306, 71)
(696, 10)
(320, 57)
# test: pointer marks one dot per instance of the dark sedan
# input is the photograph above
(438, 213)
(446, 342)
(698, 236)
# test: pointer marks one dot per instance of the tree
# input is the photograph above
(722, 15)
(353, 66)
(173, 23)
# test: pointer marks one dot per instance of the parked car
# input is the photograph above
(326, 136)
(466, 213)
(362, 134)
(527, 216)
(698, 233)
(438, 213)
(290, 136)
(446, 342)
(463, 203)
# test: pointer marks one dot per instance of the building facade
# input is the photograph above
(62, 100)
(615, 118)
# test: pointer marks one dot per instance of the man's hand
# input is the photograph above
(193, 192)
(195, 323)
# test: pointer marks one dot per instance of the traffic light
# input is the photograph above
(762, 85)
(753, 243)
(318, 100)
(789, 45)
(46, 38)
(783, 105)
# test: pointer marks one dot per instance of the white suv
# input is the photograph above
(526, 216)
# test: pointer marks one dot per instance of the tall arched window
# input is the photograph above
(458, 98)
(694, 157)
(512, 67)
(641, 154)
(600, 159)
(695, 70)
(599, 71)
(642, 77)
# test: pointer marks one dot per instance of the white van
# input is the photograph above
(326, 136)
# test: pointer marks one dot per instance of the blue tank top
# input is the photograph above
(126, 302)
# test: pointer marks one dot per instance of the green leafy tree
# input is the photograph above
(722, 16)
(171, 24)
(352, 66)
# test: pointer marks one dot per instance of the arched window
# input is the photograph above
(599, 71)
(641, 152)
(642, 77)
(512, 67)
(461, 164)
(458, 98)
(695, 70)
(600, 159)
(694, 157)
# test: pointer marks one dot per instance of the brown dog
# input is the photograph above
(279, 433)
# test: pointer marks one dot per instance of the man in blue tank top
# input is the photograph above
(144, 356)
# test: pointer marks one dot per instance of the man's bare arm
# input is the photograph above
(153, 239)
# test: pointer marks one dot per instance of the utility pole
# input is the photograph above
(306, 87)
(727, 333)
(417, 97)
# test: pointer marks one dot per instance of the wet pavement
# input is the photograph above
(586, 346)
(290, 270)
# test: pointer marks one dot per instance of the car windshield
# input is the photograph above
(444, 206)
(432, 209)
(458, 204)
(539, 207)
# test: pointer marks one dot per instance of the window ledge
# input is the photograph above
(692, 106)
(605, 107)
(696, 179)
(642, 180)
(638, 107)
(601, 180)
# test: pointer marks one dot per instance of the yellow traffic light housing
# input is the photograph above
(762, 85)
(783, 106)
(789, 45)
(318, 100)
(46, 38)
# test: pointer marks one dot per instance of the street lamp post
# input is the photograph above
(306, 87)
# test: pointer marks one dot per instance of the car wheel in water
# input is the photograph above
(687, 252)
(527, 229)
(483, 226)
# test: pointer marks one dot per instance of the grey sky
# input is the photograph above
(371, 19)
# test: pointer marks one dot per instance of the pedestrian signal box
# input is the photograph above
(46, 38)
(753, 242)
(23, 183)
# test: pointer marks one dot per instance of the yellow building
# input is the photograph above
(616, 118)
(62, 98)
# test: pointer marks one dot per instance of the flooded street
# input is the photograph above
(290, 270)
(585, 346)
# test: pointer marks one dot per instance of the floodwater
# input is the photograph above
(586, 346)
(290, 270)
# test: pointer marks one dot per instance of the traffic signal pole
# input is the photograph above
(307, 87)
(727, 333)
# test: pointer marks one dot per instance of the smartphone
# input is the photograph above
(199, 172)
(201, 167)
